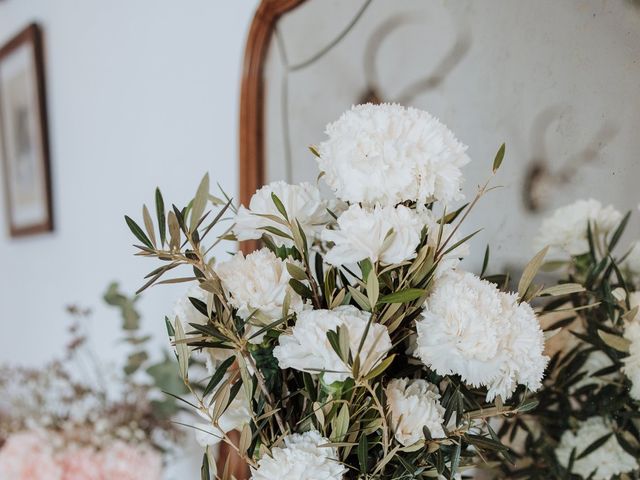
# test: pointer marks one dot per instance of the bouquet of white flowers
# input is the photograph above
(351, 345)
(586, 423)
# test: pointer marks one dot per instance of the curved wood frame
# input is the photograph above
(251, 144)
(251, 134)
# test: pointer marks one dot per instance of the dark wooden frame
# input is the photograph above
(32, 34)
(252, 100)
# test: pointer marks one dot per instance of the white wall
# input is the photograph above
(140, 93)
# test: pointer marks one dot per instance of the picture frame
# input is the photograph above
(24, 142)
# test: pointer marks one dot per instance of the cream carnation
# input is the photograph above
(302, 458)
(308, 349)
(414, 404)
(236, 415)
(470, 328)
(567, 228)
(607, 461)
(259, 281)
(522, 342)
(595, 361)
(301, 202)
(386, 234)
(387, 154)
(632, 362)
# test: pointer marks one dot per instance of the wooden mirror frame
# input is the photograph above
(251, 146)
(252, 100)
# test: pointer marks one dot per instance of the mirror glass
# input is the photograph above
(558, 82)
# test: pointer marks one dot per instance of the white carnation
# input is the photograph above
(414, 404)
(302, 458)
(308, 349)
(596, 361)
(567, 228)
(386, 234)
(301, 202)
(632, 362)
(387, 154)
(607, 461)
(236, 415)
(522, 342)
(470, 328)
(259, 281)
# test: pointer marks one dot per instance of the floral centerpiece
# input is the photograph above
(351, 345)
(73, 420)
(586, 423)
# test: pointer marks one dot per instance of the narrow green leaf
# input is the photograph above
(199, 202)
(381, 367)
(314, 150)
(182, 350)
(497, 161)
(373, 288)
(174, 231)
(137, 231)
(363, 453)
(296, 272)
(530, 271)
(618, 343)
(148, 225)
(162, 219)
(619, 231)
(360, 298)
(403, 296)
(562, 289)
(279, 206)
(218, 375)
(594, 446)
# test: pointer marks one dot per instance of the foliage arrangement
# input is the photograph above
(73, 420)
(586, 423)
(351, 345)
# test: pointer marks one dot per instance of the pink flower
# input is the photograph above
(28, 456)
(129, 462)
(80, 464)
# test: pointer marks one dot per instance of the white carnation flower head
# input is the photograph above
(301, 202)
(237, 414)
(302, 458)
(566, 229)
(386, 234)
(308, 349)
(632, 362)
(387, 154)
(595, 361)
(607, 461)
(469, 328)
(414, 404)
(522, 342)
(259, 281)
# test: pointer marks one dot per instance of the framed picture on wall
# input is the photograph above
(24, 148)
